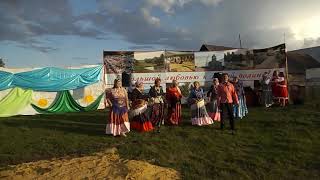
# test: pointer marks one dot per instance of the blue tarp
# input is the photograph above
(51, 79)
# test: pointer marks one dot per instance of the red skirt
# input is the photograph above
(174, 115)
(275, 91)
(283, 92)
(141, 126)
(141, 121)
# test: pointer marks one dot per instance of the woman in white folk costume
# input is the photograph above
(117, 98)
(157, 104)
(199, 115)
(266, 86)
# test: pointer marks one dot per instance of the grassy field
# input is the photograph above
(269, 144)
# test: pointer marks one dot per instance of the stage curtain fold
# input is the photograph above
(15, 101)
(51, 79)
(64, 102)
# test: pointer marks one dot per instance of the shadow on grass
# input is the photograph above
(89, 123)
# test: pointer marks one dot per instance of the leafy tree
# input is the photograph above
(148, 60)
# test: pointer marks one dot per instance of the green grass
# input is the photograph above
(274, 144)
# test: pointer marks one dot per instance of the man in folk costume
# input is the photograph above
(227, 97)
(266, 90)
(157, 100)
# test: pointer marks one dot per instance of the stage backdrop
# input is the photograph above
(187, 67)
(241, 59)
(26, 88)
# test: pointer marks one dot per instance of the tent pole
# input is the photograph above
(287, 73)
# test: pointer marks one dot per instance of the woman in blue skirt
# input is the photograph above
(240, 110)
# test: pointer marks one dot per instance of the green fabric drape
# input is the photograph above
(64, 102)
(15, 101)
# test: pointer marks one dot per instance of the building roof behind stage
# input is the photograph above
(298, 62)
(208, 47)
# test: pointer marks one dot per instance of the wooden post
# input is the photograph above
(104, 81)
(287, 72)
(240, 41)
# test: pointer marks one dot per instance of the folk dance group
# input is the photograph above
(274, 89)
(147, 111)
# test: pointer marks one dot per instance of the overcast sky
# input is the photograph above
(37, 33)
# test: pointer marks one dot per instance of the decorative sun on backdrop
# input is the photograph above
(88, 99)
(43, 102)
(307, 28)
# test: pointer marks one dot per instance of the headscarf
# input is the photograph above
(157, 80)
(138, 83)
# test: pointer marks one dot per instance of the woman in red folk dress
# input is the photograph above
(139, 114)
(173, 96)
(279, 88)
(282, 89)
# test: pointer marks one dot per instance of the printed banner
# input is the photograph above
(180, 61)
(202, 77)
(241, 59)
(117, 62)
(211, 60)
(187, 67)
(145, 62)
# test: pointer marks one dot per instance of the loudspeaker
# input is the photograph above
(126, 79)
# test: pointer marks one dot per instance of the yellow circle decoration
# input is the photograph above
(42, 102)
(88, 99)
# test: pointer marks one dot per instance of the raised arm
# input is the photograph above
(127, 99)
(152, 92)
(108, 97)
(162, 92)
(209, 93)
(191, 98)
(234, 95)
(219, 92)
(134, 95)
(179, 92)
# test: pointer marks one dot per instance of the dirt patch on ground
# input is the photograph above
(104, 165)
